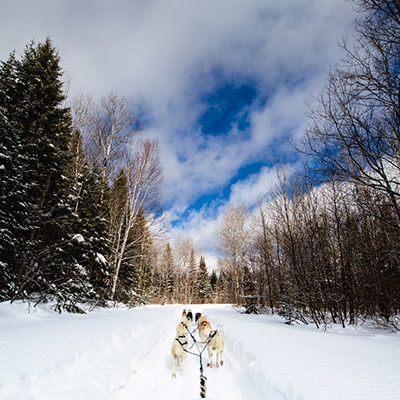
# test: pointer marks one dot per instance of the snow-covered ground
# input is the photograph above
(121, 354)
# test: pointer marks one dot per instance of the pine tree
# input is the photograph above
(14, 201)
(142, 259)
(204, 288)
(91, 204)
(118, 227)
(168, 275)
(214, 283)
(134, 275)
(39, 251)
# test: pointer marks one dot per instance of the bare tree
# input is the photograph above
(233, 242)
(186, 268)
(354, 131)
(143, 177)
(262, 244)
(107, 128)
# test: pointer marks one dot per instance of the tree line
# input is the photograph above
(326, 245)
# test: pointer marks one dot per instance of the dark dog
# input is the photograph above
(189, 316)
(197, 317)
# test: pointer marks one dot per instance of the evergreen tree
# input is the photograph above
(135, 274)
(15, 203)
(214, 282)
(38, 240)
(91, 201)
(118, 226)
(143, 260)
(168, 275)
(204, 289)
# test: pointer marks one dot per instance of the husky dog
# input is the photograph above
(189, 319)
(214, 339)
(197, 316)
(179, 345)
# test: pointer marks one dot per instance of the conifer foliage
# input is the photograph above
(38, 242)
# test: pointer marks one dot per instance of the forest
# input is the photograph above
(81, 215)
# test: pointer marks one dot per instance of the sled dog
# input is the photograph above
(178, 347)
(197, 317)
(189, 319)
(215, 339)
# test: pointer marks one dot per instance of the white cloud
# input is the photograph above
(253, 188)
(166, 53)
(202, 226)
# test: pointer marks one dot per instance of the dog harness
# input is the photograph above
(199, 354)
(182, 343)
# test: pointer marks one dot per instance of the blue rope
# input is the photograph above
(200, 355)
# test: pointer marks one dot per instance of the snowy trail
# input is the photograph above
(222, 383)
(121, 354)
(118, 361)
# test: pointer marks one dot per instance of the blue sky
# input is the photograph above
(222, 84)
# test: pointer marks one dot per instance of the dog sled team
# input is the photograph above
(209, 338)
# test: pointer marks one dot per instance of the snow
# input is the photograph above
(78, 238)
(119, 354)
(101, 259)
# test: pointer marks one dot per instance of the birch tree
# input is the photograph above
(143, 177)
(184, 252)
(232, 240)
(107, 126)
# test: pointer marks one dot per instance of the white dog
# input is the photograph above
(214, 339)
(179, 345)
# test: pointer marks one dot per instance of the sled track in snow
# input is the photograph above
(132, 357)
(242, 366)
(152, 370)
